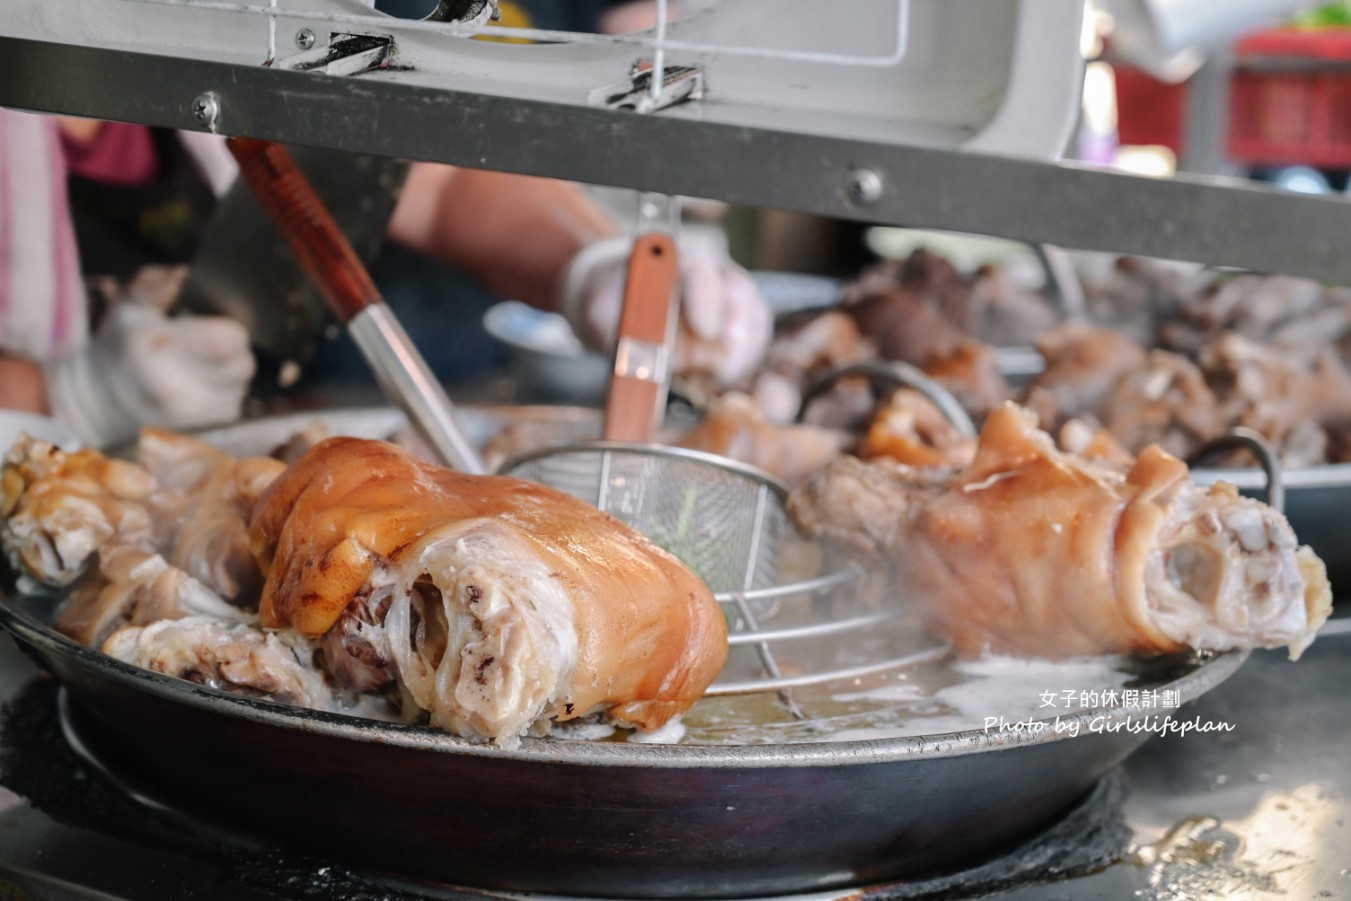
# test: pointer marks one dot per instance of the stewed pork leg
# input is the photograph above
(1035, 552)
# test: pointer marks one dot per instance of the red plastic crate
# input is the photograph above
(1149, 111)
(1290, 99)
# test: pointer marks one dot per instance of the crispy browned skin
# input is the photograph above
(1082, 366)
(971, 373)
(734, 427)
(651, 637)
(1286, 399)
(911, 429)
(1166, 402)
(1091, 441)
(58, 508)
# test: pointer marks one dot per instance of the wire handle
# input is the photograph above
(897, 374)
(1062, 282)
(1255, 443)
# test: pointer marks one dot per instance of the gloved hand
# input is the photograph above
(725, 325)
(143, 368)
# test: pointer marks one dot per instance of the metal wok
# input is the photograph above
(585, 818)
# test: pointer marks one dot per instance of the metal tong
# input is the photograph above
(329, 260)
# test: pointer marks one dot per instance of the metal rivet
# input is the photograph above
(863, 186)
(304, 39)
(206, 108)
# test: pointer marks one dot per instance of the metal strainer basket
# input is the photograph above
(724, 519)
(789, 612)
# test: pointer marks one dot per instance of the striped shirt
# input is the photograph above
(42, 301)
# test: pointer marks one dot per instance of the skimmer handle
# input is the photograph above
(642, 362)
(327, 257)
(292, 204)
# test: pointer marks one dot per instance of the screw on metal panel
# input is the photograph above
(206, 108)
(304, 39)
(863, 186)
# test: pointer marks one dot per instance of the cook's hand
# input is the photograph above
(725, 325)
(143, 368)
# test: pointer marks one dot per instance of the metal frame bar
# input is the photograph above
(1201, 219)
(657, 42)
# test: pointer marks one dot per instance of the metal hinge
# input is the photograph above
(344, 54)
(678, 84)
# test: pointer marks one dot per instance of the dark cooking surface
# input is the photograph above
(1262, 811)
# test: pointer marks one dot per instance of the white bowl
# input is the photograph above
(14, 423)
(546, 358)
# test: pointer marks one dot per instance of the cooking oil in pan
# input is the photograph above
(936, 694)
(940, 695)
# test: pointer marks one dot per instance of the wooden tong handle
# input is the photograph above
(320, 247)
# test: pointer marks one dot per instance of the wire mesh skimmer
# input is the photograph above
(728, 522)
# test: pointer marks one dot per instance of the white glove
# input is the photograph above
(725, 325)
(143, 368)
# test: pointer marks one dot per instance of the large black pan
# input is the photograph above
(587, 818)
